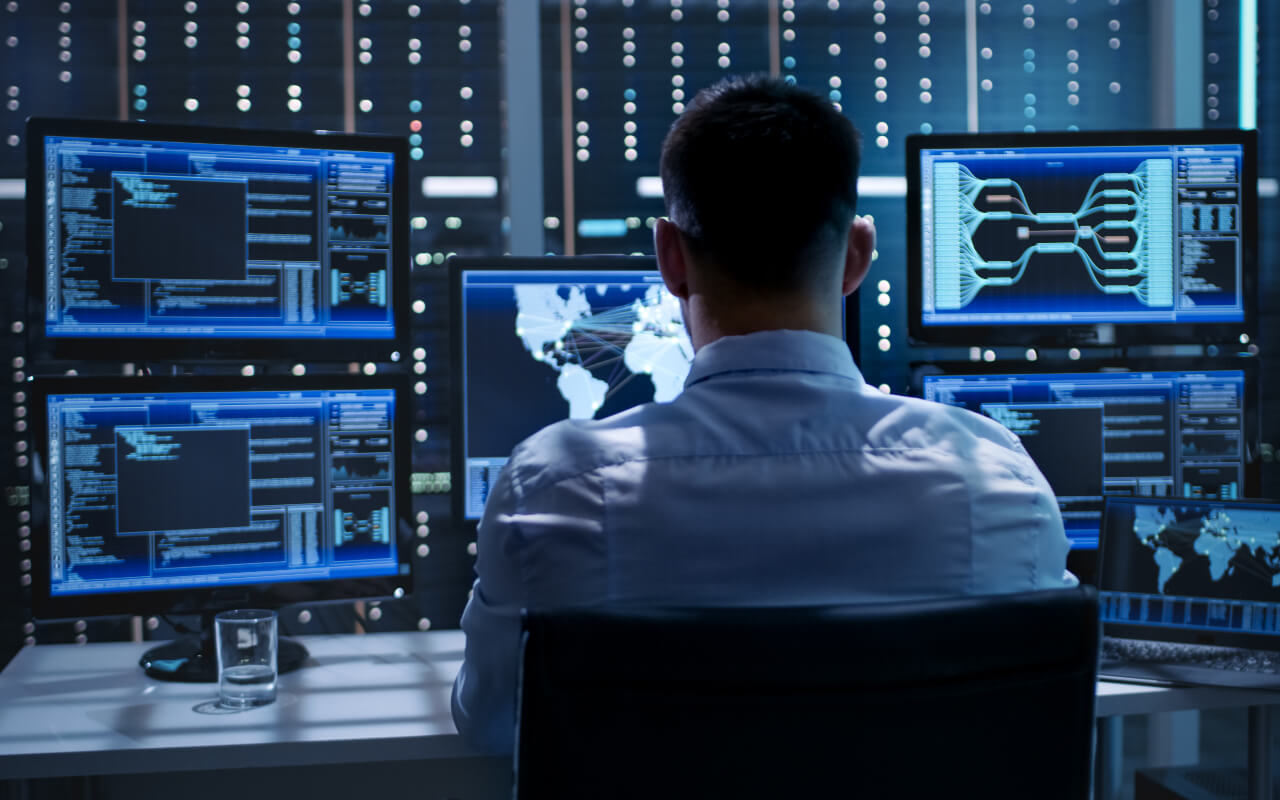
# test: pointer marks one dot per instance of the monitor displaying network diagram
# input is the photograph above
(1162, 433)
(546, 339)
(196, 238)
(161, 492)
(1082, 238)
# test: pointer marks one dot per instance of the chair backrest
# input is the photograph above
(988, 696)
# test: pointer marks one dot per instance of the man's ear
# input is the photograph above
(857, 258)
(669, 246)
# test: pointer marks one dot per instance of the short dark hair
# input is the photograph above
(761, 176)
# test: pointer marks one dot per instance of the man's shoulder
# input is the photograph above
(573, 446)
(915, 422)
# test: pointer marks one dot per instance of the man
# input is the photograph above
(778, 476)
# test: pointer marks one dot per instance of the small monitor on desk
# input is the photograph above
(1161, 429)
(152, 241)
(539, 340)
(1059, 239)
(194, 494)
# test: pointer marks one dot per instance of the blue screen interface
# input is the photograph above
(171, 239)
(1157, 434)
(206, 489)
(1082, 235)
(569, 344)
(1192, 564)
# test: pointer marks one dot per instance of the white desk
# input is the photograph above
(88, 710)
(70, 710)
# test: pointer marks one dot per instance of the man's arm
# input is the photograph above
(539, 547)
(484, 699)
(1018, 538)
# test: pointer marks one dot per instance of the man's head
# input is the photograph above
(760, 181)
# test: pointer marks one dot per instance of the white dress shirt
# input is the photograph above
(777, 477)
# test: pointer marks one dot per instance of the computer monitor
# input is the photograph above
(1056, 239)
(1191, 570)
(151, 241)
(194, 494)
(538, 340)
(1159, 429)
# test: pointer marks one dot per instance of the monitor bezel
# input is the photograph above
(1070, 335)
(229, 348)
(1157, 633)
(196, 600)
(1083, 562)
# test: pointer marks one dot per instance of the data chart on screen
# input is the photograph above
(165, 239)
(183, 490)
(1072, 235)
(1155, 434)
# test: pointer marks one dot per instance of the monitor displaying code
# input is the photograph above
(1199, 565)
(1159, 434)
(178, 490)
(1073, 235)
(147, 239)
(540, 346)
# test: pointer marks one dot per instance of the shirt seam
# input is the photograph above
(770, 454)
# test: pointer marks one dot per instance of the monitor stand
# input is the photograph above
(194, 659)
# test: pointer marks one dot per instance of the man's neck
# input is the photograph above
(708, 322)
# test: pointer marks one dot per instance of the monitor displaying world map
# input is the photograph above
(543, 345)
(1191, 563)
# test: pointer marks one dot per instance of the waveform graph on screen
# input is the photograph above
(1062, 239)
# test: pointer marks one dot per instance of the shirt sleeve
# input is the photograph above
(484, 693)
(1019, 542)
(538, 546)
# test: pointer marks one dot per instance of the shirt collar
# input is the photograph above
(780, 350)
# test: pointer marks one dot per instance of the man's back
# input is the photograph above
(777, 477)
(780, 476)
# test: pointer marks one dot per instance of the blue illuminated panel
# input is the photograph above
(164, 239)
(205, 489)
(1192, 564)
(1162, 434)
(1082, 235)
(540, 346)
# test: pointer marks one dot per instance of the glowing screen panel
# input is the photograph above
(1082, 235)
(146, 239)
(1161, 434)
(540, 346)
(1192, 565)
(182, 490)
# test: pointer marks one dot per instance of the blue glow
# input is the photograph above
(601, 228)
(1248, 64)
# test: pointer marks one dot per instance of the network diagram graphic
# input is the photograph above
(1122, 233)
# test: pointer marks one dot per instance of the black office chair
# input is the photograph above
(988, 696)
